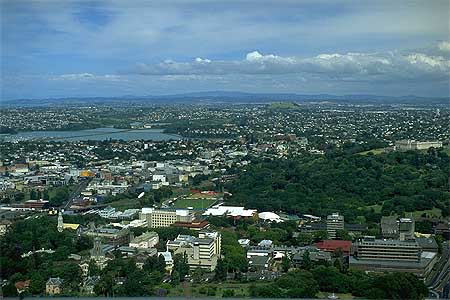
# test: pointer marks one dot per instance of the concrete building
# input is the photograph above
(406, 228)
(202, 252)
(389, 227)
(145, 241)
(369, 248)
(405, 145)
(380, 255)
(111, 236)
(394, 228)
(314, 256)
(165, 217)
(335, 222)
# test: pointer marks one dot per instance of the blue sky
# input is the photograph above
(111, 48)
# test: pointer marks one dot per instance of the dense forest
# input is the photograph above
(398, 182)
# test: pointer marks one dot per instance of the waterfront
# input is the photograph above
(97, 134)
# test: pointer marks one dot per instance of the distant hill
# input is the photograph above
(227, 97)
(283, 105)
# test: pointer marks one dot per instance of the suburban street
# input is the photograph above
(76, 193)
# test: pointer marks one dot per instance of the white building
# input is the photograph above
(145, 241)
(168, 260)
(165, 217)
(270, 217)
(202, 252)
(335, 222)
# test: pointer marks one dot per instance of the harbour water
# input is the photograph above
(97, 134)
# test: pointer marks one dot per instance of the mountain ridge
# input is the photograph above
(229, 97)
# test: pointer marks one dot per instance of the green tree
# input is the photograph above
(306, 261)
(285, 263)
(220, 271)
(228, 293)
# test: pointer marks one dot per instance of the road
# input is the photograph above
(442, 278)
(76, 193)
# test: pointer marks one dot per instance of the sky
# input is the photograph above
(52, 49)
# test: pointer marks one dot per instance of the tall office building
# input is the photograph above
(335, 222)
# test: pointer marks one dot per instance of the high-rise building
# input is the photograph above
(335, 222)
(202, 252)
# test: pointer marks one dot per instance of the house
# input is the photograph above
(4, 224)
(168, 260)
(84, 266)
(54, 286)
(258, 263)
(265, 244)
(314, 256)
(22, 286)
(244, 242)
(88, 285)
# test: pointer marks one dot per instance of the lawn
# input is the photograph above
(376, 207)
(198, 203)
(434, 213)
(374, 151)
(213, 289)
(124, 204)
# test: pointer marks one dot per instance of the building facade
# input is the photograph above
(165, 218)
(335, 222)
(369, 248)
(145, 241)
(202, 252)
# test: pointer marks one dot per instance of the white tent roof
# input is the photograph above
(267, 215)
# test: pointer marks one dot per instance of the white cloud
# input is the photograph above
(350, 66)
(444, 46)
(87, 77)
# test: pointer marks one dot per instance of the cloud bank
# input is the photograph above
(393, 65)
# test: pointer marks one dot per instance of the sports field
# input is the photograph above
(194, 203)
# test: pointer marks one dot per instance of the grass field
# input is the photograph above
(374, 151)
(199, 203)
(435, 212)
(124, 204)
(376, 207)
